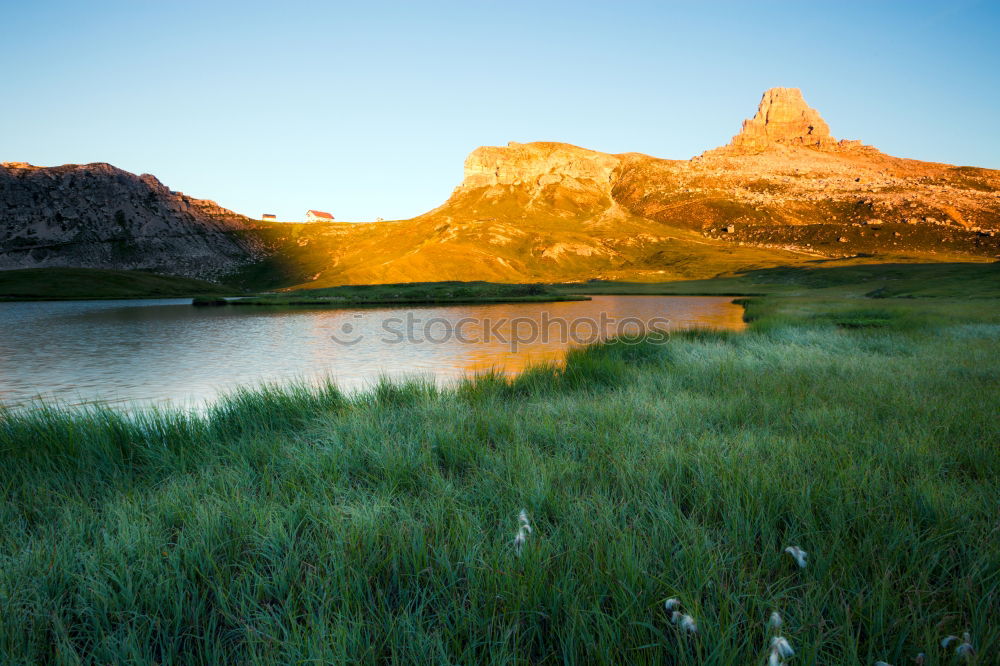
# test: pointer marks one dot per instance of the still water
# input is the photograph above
(168, 352)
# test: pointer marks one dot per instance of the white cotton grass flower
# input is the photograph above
(919, 659)
(522, 518)
(685, 622)
(798, 555)
(781, 647)
(965, 649)
(688, 624)
(520, 540)
(523, 530)
(882, 663)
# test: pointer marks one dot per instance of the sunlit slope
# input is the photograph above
(555, 212)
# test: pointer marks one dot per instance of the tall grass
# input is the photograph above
(298, 525)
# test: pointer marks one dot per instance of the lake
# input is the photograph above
(167, 352)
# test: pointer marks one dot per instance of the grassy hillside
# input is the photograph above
(71, 283)
(547, 212)
(295, 525)
(536, 248)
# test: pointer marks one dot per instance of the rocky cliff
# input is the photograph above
(98, 216)
(539, 164)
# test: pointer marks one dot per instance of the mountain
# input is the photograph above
(784, 191)
(98, 216)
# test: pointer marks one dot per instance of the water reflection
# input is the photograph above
(167, 351)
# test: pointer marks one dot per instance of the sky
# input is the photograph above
(368, 109)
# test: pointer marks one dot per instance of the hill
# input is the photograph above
(99, 216)
(783, 192)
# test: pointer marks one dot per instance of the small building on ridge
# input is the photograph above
(318, 216)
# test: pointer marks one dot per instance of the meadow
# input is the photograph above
(299, 525)
(39, 284)
(411, 293)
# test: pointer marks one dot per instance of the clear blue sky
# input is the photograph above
(368, 109)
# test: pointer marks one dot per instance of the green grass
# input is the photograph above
(910, 280)
(296, 525)
(413, 293)
(87, 283)
(724, 286)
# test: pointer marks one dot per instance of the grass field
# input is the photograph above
(91, 283)
(414, 293)
(907, 280)
(295, 525)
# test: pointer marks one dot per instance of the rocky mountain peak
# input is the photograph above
(784, 118)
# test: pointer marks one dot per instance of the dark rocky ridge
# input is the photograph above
(99, 216)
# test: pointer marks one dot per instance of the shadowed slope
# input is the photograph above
(99, 216)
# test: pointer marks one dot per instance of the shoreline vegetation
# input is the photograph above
(99, 284)
(669, 492)
(412, 293)
(76, 284)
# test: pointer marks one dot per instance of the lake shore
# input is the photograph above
(164, 352)
(411, 293)
(854, 418)
(86, 284)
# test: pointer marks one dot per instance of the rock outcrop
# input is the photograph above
(784, 118)
(539, 164)
(99, 216)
